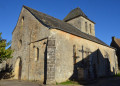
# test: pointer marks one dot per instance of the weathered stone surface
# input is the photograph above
(79, 23)
(91, 56)
(52, 55)
(51, 61)
(32, 35)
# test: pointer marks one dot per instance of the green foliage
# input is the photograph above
(68, 83)
(4, 53)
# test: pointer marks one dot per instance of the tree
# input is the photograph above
(4, 53)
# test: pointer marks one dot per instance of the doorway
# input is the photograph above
(18, 69)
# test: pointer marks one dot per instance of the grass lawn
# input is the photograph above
(118, 74)
(68, 83)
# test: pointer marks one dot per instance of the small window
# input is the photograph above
(90, 28)
(36, 50)
(19, 43)
(22, 21)
(37, 53)
(74, 53)
(86, 26)
(79, 24)
(22, 18)
(74, 50)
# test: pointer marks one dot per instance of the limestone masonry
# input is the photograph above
(51, 50)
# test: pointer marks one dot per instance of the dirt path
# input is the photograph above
(17, 83)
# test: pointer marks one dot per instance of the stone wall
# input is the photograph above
(97, 59)
(37, 58)
(54, 55)
(28, 35)
(79, 23)
(51, 59)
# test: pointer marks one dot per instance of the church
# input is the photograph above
(51, 51)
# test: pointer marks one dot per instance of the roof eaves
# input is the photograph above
(80, 36)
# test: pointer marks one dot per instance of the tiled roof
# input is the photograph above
(52, 22)
(75, 13)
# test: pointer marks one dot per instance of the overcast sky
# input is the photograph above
(105, 13)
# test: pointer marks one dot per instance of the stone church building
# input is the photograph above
(51, 50)
(116, 44)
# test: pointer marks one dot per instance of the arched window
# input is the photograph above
(19, 43)
(22, 21)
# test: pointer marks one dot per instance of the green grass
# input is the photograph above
(118, 74)
(68, 83)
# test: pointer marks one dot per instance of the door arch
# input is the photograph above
(18, 69)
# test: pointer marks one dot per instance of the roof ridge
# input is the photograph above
(55, 23)
(42, 13)
(76, 13)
